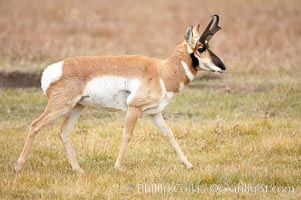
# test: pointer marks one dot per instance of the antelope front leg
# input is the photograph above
(131, 118)
(161, 124)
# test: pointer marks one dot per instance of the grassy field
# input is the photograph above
(233, 135)
(240, 129)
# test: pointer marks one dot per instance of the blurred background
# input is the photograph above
(257, 37)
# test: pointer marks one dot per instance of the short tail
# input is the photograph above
(51, 74)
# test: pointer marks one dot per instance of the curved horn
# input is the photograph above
(210, 30)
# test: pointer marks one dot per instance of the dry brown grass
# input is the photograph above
(258, 37)
(232, 138)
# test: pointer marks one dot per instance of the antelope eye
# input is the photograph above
(201, 50)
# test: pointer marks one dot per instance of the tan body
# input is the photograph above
(153, 78)
(135, 84)
(158, 81)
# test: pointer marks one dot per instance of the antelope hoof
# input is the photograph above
(117, 167)
(18, 166)
(189, 166)
(79, 171)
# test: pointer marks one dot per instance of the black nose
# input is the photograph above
(219, 63)
(216, 61)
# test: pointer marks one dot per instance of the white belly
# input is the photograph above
(113, 93)
(109, 92)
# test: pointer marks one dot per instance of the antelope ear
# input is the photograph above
(189, 35)
(196, 32)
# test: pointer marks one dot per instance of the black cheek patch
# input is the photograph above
(216, 61)
(195, 61)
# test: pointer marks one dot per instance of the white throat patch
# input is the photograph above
(187, 71)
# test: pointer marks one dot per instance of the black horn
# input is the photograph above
(210, 30)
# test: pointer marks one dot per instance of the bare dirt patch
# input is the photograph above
(19, 79)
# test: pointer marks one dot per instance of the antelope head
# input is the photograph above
(198, 47)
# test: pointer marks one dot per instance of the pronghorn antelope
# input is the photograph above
(134, 84)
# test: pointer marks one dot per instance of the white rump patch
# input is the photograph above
(51, 73)
(187, 71)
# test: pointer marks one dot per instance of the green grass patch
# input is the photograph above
(233, 134)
